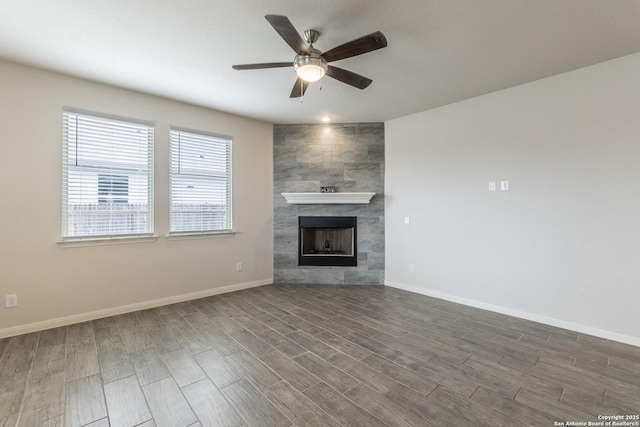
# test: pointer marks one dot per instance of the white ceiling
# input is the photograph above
(439, 52)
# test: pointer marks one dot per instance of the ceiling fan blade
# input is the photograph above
(299, 88)
(356, 47)
(348, 77)
(260, 66)
(288, 32)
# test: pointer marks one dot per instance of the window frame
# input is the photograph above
(175, 153)
(145, 175)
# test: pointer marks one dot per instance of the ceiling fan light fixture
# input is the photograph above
(310, 68)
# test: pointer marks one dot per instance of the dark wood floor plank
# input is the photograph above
(326, 324)
(439, 374)
(148, 366)
(104, 422)
(496, 383)
(322, 312)
(202, 306)
(297, 407)
(135, 338)
(433, 345)
(362, 372)
(345, 411)
(275, 323)
(223, 343)
(50, 337)
(312, 344)
(251, 342)
(182, 367)
(237, 299)
(82, 361)
(590, 400)
(253, 369)
(512, 408)
(607, 378)
(536, 384)
(217, 368)
(80, 334)
(435, 413)
(250, 323)
(343, 345)
(187, 335)
(324, 370)
(465, 408)
(210, 406)
(44, 400)
(12, 390)
(282, 343)
(168, 406)
(290, 371)
(556, 409)
(18, 354)
(161, 338)
(126, 403)
(622, 400)
(385, 408)
(352, 325)
(49, 360)
(253, 406)
(85, 401)
(4, 342)
(404, 346)
(114, 364)
(420, 384)
(384, 350)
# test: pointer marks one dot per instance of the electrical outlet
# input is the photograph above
(11, 301)
(504, 185)
(412, 268)
(239, 267)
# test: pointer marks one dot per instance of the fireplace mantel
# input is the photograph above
(328, 198)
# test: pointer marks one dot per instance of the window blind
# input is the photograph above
(200, 182)
(107, 188)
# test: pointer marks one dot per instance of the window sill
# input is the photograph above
(200, 235)
(76, 243)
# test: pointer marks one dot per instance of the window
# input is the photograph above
(200, 182)
(113, 188)
(107, 188)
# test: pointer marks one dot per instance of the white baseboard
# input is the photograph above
(614, 336)
(92, 315)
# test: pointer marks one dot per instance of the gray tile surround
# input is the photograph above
(349, 157)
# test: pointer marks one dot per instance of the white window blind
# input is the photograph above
(200, 182)
(107, 174)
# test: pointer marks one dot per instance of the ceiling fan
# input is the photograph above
(311, 64)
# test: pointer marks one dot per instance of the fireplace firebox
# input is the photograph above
(327, 241)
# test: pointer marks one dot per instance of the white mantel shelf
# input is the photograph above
(328, 198)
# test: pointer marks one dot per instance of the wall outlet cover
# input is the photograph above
(11, 301)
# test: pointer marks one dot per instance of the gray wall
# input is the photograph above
(561, 246)
(349, 157)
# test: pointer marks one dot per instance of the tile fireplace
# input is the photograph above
(350, 158)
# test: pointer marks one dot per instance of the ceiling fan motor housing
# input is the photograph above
(311, 67)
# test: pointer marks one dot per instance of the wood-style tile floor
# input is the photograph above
(311, 355)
